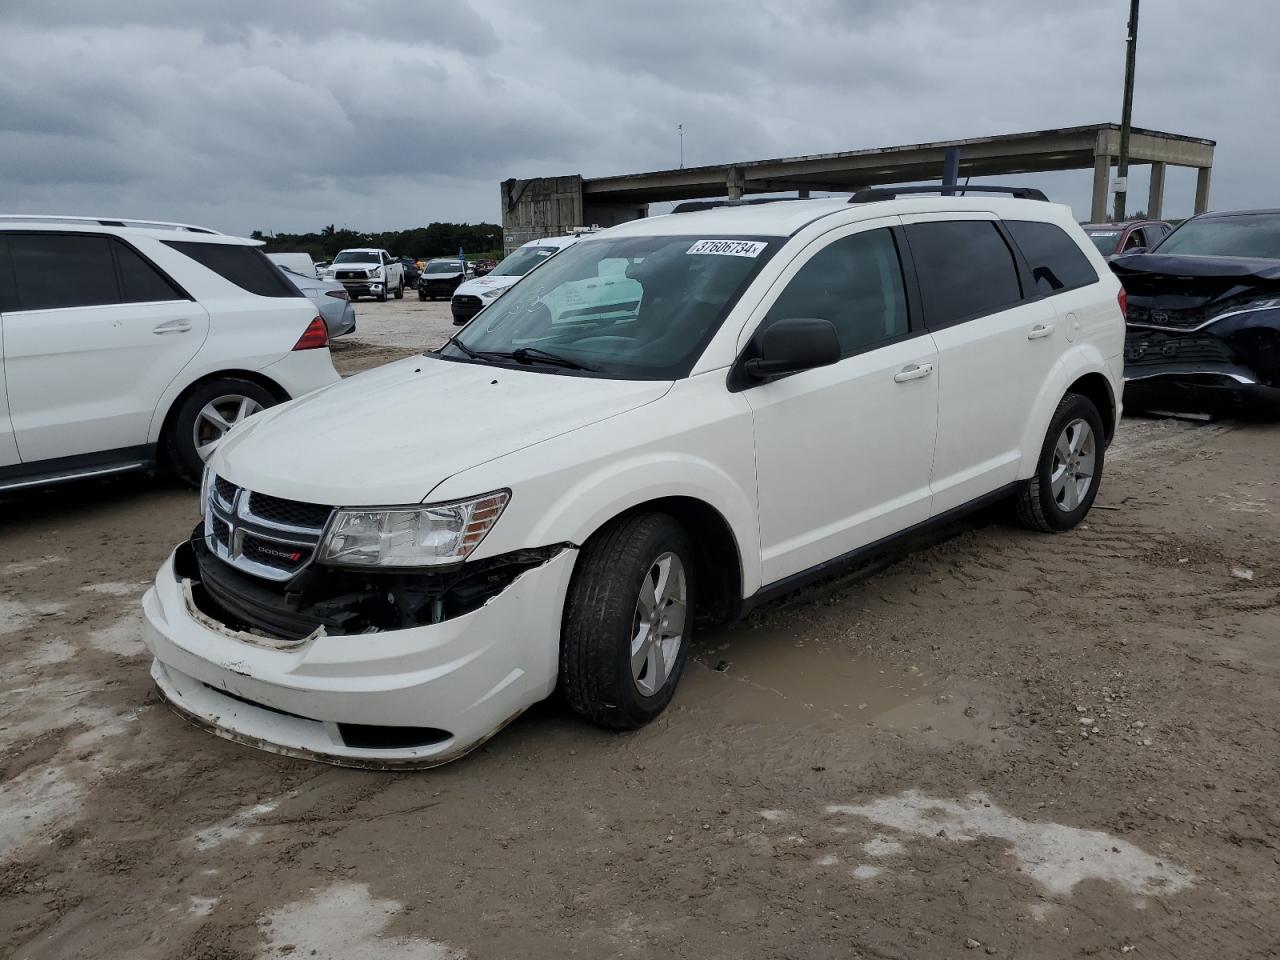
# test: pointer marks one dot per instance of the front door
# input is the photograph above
(97, 336)
(843, 452)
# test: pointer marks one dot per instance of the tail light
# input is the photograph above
(315, 336)
(338, 294)
(1122, 298)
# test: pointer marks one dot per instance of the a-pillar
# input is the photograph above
(1101, 180)
(1202, 189)
(1155, 194)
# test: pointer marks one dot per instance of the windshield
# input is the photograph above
(443, 266)
(357, 256)
(522, 261)
(639, 308)
(1245, 235)
(1104, 240)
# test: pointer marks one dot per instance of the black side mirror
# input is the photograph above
(792, 345)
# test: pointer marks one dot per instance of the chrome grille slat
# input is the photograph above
(261, 545)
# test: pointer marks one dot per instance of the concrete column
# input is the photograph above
(733, 182)
(1155, 194)
(1101, 180)
(1202, 188)
(803, 193)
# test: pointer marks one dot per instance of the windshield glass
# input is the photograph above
(443, 266)
(639, 308)
(357, 256)
(522, 261)
(1246, 235)
(1104, 240)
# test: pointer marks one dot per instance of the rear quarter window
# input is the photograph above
(247, 267)
(1056, 263)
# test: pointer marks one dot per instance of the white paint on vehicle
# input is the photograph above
(33, 801)
(1056, 856)
(234, 827)
(124, 637)
(344, 922)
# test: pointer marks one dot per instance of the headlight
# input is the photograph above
(493, 293)
(374, 273)
(432, 535)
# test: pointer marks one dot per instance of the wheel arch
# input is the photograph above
(1082, 371)
(717, 555)
(171, 411)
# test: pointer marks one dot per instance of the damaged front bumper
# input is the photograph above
(414, 696)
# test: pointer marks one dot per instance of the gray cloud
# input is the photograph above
(289, 115)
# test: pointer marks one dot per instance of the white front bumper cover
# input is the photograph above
(469, 676)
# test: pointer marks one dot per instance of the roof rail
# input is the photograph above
(693, 206)
(874, 194)
(104, 222)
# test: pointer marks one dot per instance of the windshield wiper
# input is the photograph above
(536, 355)
(462, 346)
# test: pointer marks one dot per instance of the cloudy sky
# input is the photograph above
(282, 115)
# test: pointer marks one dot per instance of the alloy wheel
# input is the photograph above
(1074, 458)
(659, 623)
(217, 417)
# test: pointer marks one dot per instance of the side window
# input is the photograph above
(856, 283)
(8, 292)
(246, 267)
(140, 281)
(54, 270)
(1056, 263)
(965, 269)
(1133, 240)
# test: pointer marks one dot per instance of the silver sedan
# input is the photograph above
(330, 298)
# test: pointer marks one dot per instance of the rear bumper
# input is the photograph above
(464, 678)
(300, 372)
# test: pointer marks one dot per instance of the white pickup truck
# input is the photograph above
(367, 272)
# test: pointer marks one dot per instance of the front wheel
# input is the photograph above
(205, 416)
(627, 621)
(1069, 471)
(422, 295)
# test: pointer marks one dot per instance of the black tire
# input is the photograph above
(601, 619)
(1037, 506)
(400, 291)
(422, 296)
(179, 439)
(381, 295)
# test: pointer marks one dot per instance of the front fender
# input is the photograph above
(1080, 360)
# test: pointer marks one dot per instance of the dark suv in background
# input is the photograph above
(1204, 317)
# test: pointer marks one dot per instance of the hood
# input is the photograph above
(1186, 281)
(441, 275)
(355, 265)
(391, 435)
(488, 282)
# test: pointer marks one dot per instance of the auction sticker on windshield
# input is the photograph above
(729, 248)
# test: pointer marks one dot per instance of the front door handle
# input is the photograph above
(913, 371)
(1039, 331)
(172, 326)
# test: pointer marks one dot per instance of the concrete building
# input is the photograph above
(545, 206)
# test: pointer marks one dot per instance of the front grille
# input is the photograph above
(468, 301)
(1160, 317)
(267, 536)
(352, 275)
(291, 512)
(1143, 348)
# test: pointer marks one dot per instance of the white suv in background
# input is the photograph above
(389, 571)
(474, 295)
(130, 344)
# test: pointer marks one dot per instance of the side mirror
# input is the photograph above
(792, 345)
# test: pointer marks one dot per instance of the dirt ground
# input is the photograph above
(1001, 744)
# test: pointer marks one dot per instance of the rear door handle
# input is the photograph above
(172, 326)
(913, 371)
(1039, 331)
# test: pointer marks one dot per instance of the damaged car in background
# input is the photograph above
(1204, 317)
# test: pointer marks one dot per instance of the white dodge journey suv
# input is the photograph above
(126, 344)
(389, 571)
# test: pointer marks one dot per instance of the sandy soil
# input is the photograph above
(1001, 744)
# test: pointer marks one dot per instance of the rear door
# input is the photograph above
(97, 335)
(843, 452)
(995, 350)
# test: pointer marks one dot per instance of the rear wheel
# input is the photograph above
(205, 416)
(400, 290)
(1070, 469)
(627, 621)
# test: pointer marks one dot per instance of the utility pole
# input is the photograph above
(1126, 116)
(680, 130)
